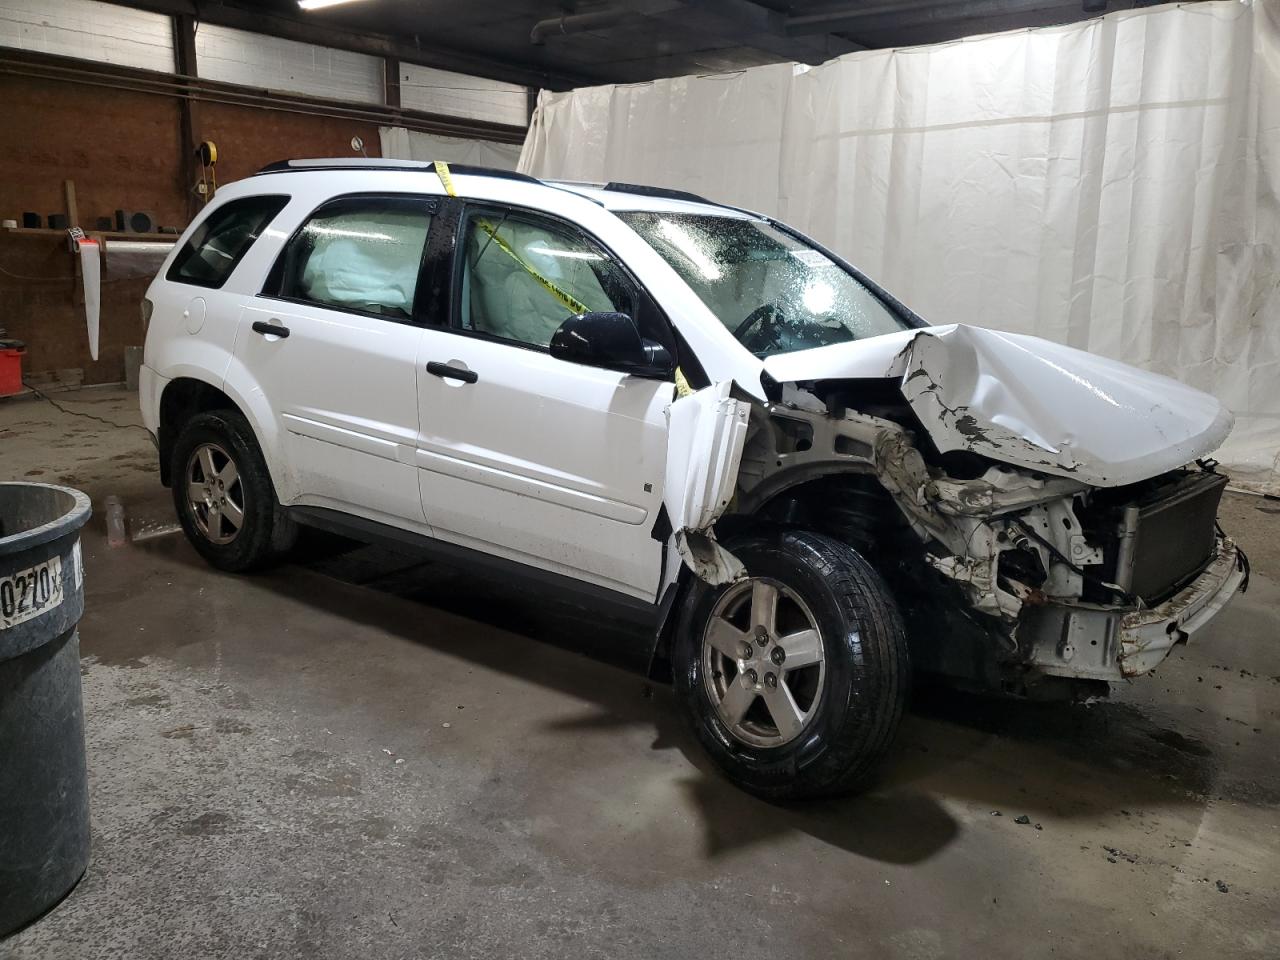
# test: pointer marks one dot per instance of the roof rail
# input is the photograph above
(661, 193)
(402, 166)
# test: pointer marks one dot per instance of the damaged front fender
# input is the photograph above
(705, 436)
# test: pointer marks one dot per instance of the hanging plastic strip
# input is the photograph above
(91, 274)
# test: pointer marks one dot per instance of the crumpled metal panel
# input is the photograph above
(1037, 404)
(707, 431)
(1029, 402)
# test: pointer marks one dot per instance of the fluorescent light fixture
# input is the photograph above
(320, 4)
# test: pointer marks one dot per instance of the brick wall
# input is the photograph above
(122, 149)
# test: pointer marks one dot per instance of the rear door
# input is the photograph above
(332, 340)
(522, 455)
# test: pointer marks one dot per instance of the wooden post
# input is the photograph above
(69, 192)
(184, 50)
(391, 81)
(73, 219)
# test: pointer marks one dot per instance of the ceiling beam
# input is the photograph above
(751, 25)
(912, 13)
(48, 66)
(314, 31)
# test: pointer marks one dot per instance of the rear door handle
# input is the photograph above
(270, 329)
(451, 372)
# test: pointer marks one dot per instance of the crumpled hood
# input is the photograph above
(1030, 402)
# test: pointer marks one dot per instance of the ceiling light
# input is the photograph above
(320, 4)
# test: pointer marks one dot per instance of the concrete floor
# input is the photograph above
(365, 757)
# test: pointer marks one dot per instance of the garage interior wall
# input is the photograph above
(1113, 185)
(402, 144)
(455, 94)
(123, 148)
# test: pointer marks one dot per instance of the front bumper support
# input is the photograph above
(1113, 643)
(1147, 636)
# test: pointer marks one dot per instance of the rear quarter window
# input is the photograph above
(221, 240)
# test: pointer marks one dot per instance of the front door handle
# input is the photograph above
(270, 329)
(451, 372)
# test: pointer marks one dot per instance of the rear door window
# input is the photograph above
(358, 254)
(221, 240)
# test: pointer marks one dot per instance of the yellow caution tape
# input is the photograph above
(568, 301)
(572, 303)
(446, 181)
(682, 385)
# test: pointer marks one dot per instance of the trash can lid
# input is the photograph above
(12, 345)
(35, 513)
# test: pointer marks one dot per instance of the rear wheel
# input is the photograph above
(224, 496)
(795, 679)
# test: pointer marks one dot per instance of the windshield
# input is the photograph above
(774, 292)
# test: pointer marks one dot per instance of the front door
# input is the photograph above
(333, 342)
(522, 455)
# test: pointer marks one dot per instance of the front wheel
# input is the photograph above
(795, 679)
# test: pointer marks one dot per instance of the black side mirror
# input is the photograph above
(611, 341)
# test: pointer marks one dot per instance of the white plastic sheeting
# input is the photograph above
(89, 30)
(401, 144)
(1112, 185)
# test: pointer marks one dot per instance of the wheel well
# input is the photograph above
(852, 507)
(183, 399)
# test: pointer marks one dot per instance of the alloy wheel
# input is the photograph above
(763, 662)
(215, 493)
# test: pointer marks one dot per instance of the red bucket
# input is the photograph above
(11, 352)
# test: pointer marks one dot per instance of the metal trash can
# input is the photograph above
(44, 792)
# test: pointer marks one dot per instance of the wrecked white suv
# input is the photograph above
(691, 413)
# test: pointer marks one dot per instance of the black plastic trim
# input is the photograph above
(661, 193)
(558, 585)
(460, 169)
(448, 372)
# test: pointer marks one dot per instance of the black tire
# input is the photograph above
(865, 684)
(266, 532)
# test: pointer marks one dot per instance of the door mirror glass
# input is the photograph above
(611, 341)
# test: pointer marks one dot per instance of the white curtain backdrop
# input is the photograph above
(401, 144)
(1113, 185)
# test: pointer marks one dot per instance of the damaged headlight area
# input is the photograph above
(1092, 585)
(1007, 578)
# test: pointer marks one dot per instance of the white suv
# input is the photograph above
(693, 414)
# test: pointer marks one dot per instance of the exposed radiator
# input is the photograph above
(1166, 541)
